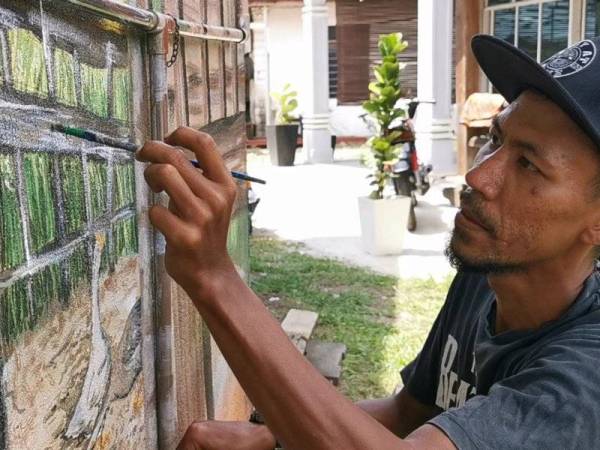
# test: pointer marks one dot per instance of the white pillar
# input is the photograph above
(315, 90)
(435, 136)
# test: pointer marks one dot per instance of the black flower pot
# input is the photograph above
(281, 141)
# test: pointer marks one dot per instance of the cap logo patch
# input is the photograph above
(571, 60)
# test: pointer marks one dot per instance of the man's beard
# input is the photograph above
(489, 265)
(472, 203)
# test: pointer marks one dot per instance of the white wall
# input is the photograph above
(284, 46)
(282, 35)
(345, 120)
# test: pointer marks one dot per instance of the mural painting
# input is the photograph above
(70, 306)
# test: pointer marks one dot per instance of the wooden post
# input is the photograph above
(468, 20)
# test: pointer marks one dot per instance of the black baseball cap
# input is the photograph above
(570, 78)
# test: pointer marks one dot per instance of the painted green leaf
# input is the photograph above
(65, 77)
(125, 237)
(27, 62)
(73, 193)
(45, 289)
(124, 185)
(121, 94)
(12, 248)
(157, 5)
(94, 83)
(97, 169)
(78, 268)
(40, 199)
(14, 312)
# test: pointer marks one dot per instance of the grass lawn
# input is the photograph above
(382, 320)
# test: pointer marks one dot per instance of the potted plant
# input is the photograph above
(282, 137)
(384, 218)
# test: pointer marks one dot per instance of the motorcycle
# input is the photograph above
(253, 201)
(409, 175)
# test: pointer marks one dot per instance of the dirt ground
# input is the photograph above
(43, 378)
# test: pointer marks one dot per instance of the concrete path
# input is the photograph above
(317, 205)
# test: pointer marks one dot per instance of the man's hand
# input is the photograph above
(227, 436)
(196, 223)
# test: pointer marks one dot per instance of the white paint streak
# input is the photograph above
(95, 386)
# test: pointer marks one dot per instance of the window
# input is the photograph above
(555, 28)
(333, 66)
(504, 25)
(352, 44)
(528, 30)
(592, 14)
(539, 28)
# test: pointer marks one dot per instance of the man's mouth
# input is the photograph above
(468, 218)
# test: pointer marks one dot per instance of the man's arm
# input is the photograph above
(301, 408)
(401, 413)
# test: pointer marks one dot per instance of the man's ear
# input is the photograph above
(591, 235)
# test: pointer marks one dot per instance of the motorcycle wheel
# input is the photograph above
(402, 184)
(412, 219)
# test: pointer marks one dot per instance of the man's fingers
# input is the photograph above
(165, 177)
(206, 152)
(159, 152)
(172, 227)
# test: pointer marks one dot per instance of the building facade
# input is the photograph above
(353, 29)
(539, 27)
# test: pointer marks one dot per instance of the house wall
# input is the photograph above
(574, 20)
(84, 298)
(206, 90)
(277, 54)
(285, 49)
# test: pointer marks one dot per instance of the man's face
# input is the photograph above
(530, 194)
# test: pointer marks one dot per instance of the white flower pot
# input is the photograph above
(383, 223)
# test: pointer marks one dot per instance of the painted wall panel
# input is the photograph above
(77, 299)
(70, 271)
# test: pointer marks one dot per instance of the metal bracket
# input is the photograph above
(153, 22)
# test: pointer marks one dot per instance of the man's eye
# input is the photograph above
(495, 140)
(526, 164)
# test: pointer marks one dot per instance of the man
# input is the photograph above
(511, 361)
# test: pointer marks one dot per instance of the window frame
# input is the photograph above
(583, 16)
(576, 30)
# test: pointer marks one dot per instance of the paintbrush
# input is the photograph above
(130, 146)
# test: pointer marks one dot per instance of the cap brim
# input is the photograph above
(512, 71)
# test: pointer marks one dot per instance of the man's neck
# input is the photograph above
(530, 298)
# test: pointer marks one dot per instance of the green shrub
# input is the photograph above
(381, 106)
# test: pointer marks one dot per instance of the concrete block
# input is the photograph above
(453, 194)
(327, 358)
(299, 322)
(299, 342)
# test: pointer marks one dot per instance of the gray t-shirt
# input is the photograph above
(537, 389)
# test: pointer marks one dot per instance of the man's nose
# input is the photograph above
(488, 173)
